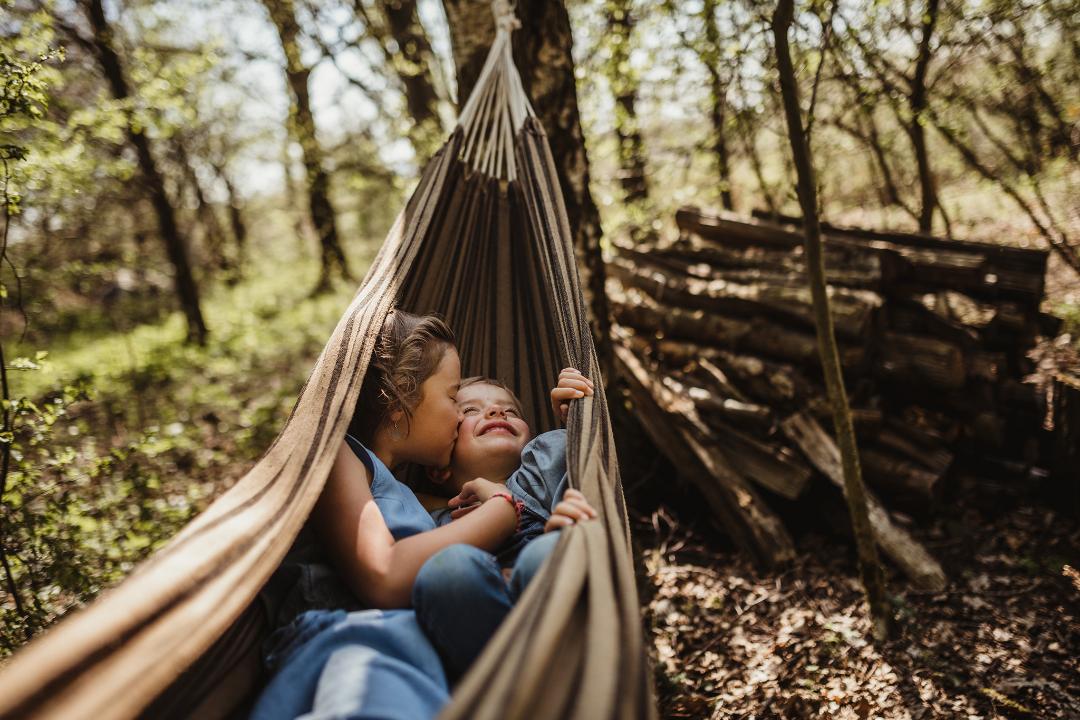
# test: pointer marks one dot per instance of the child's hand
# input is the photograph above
(572, 385)
(574, 508)
(473, 494)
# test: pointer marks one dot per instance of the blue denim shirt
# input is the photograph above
(539, 482)
(307, 578)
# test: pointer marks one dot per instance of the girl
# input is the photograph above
(371, 530)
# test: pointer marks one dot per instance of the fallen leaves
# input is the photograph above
(1003, 641)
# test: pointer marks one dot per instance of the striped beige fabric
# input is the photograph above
(484, 240)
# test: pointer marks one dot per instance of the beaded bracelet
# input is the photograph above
(516, 504)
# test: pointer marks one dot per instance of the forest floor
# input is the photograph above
(1002, 641)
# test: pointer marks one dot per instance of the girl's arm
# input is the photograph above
(379, 570)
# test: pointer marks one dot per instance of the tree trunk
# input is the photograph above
(332, 257)
(175, 247)
(624, 86)
(915, 127)
(408, 52)
(718, 89)
(236, 217)
(215, 234)
(542, 52)
(854, 491)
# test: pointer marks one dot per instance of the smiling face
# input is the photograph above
(491, 435)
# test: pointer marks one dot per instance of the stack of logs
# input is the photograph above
(716, 343)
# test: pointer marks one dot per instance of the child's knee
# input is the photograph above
(451, 574)
(531, 559)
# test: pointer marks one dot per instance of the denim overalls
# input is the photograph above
(329, 662)
(461, 595)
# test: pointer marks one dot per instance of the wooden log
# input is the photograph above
(748, 378)
(669, 420)
(925, 427)
(909, 359)
(908, 554)
(908, 314)
(772, 383)
(853, 310)
(770, 465)
(934, 457)
(776, 384)
(899, 477)
(1000, 271)
(718, 379)
(732, 410)
(733, 230)
(693, 256)
(756, 334)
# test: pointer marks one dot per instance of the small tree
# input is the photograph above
(869, 565)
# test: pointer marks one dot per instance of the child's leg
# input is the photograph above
(370, 664)
(460, 598)
(529, 562)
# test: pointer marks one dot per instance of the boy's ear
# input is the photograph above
(396, 416)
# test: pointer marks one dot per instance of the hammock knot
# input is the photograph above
(504, 16)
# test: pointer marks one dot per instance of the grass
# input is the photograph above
(267, 315)
(167, 428)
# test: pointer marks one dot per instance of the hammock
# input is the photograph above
(484, 240)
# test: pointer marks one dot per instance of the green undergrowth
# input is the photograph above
(121, 438)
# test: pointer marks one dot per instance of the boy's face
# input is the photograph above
(492, 432)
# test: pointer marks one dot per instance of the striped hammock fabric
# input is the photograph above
(485, 241)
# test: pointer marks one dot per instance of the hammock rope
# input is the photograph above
(484, 240)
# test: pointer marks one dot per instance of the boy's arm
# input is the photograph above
(541, 478)
(573, 508)
(572, 385)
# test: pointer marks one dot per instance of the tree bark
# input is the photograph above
(175, 246)
(408, 52)
(302, 122)
(215, 234)
(624, 85)
(542, 52)
(236, 216)
(869, 565)
(718, 89)
(915, 127)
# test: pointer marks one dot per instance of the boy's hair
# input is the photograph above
(407, 352)
(481, 380)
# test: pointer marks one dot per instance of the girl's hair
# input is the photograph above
(481, 380)
(407, 352)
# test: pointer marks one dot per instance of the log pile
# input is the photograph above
(716, 344)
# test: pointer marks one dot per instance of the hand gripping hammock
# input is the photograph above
(484, 240)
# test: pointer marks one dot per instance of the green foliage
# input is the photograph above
(72, 527)
(121, 438)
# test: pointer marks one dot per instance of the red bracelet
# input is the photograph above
(516, 504)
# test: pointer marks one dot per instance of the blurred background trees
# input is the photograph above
(193, 171)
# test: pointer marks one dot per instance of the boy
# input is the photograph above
(462, 594)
